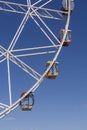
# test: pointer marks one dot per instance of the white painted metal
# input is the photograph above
(30, 10)
(9, 80)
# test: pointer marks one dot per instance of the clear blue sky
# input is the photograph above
(60, 104)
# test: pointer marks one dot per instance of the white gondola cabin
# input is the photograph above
(68, 38)
(53, 72)
(65, 6)
(28, 102)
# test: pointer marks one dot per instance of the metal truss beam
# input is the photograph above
(21, 64)
(22, 9)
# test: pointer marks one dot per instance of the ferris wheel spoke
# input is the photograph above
(31, 51)
(6, 56)
(2, 60)
(22, 9)
(12, 7)
(3, 106)
(37, 53)
(14, 40)
(49, 30)
(44, 32)
(2, 50)
(25, 67)
(29, 2)
(2, 55)
(21, 64)
(9, 80)
(16, 7)
(35, 48)
(49, 13)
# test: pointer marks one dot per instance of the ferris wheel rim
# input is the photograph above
(37, 84)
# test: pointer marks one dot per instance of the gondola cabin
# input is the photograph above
(53, 72)
(68, 38)
(65, 6)
(28, 102)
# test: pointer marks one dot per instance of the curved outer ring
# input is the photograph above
(36, 85)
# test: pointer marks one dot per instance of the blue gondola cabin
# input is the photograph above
(65, 6)
(53, 72)
(27, 103)
(68, 38)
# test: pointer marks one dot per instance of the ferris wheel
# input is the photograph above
(30, 54)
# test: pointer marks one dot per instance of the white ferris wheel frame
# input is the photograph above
(8, 53)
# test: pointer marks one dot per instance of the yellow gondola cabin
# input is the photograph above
(53, 72)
